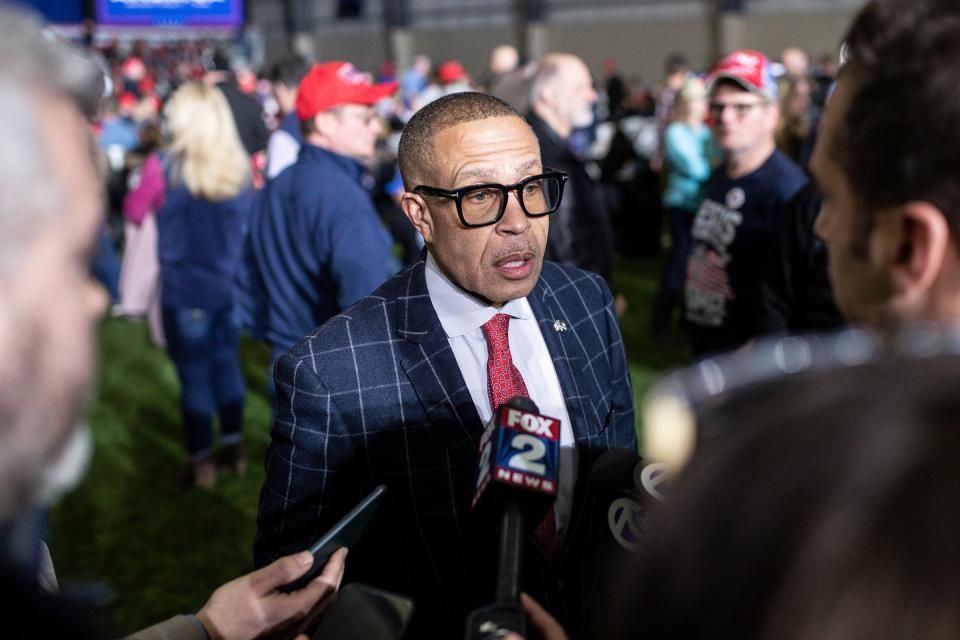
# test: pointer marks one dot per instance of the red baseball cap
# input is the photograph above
(330, 84)
(749, 69)
(451, 71)
(127, 100)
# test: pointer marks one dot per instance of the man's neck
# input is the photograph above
(745, 162)
(442, 286)
(317, 140)
(322, 142)
(559, 127)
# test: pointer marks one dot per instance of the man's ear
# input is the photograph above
(418, 214)
(547, 94)
(322, 122)
(914, 242)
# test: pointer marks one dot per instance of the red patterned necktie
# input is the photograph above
(505, 382)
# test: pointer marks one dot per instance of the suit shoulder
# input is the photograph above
(563, 280)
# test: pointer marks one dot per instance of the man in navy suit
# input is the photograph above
(396, 389)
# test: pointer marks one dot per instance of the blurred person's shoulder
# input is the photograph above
(32, 613)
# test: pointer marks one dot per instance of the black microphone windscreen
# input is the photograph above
(613, 470)
(523, 403)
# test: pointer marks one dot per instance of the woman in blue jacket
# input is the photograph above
(204, 185)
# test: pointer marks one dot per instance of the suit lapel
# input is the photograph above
(433, 371)
(566, 351)
(569, 357)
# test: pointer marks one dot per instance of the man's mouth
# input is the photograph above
(515, 266)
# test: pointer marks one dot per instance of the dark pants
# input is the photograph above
(203, 347)
(674, 275)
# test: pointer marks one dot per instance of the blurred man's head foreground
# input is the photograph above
(886, 162)
(49, 217)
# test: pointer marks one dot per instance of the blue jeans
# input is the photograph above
(203, 347)
(106, 265)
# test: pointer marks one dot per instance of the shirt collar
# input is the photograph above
(460, 312)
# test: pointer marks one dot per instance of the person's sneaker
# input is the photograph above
(233, 458)
(201, 474)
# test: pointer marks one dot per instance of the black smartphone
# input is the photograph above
(345, 533)
(365, 613)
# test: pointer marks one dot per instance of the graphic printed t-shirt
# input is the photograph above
(732, 233)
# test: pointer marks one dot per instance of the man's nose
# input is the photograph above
(514, 219)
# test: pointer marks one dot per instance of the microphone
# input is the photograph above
(517, 479)
(623, 488)
(621, 492)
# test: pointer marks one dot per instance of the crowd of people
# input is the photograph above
(320, 146)
(418, 250)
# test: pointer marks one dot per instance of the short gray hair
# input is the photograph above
(35, 63)
(547, 72)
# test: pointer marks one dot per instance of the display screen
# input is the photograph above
(58, 11)
(171, 13)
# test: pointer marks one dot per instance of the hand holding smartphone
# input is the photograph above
(346, 533)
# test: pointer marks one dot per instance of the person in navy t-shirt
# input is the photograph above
(732, 230)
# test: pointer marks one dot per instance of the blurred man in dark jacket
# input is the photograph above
(562, 99)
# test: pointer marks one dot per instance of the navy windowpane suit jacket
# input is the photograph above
(375, 396)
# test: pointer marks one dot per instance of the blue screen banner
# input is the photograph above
(58, 11)
(170, 13)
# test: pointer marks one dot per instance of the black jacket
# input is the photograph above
(796, 290)
(31, 613)
(580, 231)
(247, 116)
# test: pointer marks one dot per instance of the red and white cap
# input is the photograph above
(330, 84)
(749, 69)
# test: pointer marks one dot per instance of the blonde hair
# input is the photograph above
(692, 89)
(205, 146)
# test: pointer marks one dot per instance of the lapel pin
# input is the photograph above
(559, 325)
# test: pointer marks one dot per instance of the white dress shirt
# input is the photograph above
(461, 316)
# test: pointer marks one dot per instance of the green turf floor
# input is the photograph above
(131, 537)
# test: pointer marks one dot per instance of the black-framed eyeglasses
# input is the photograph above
(479, 205)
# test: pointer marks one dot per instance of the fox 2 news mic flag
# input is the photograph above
(519, 449)
(517, 480)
